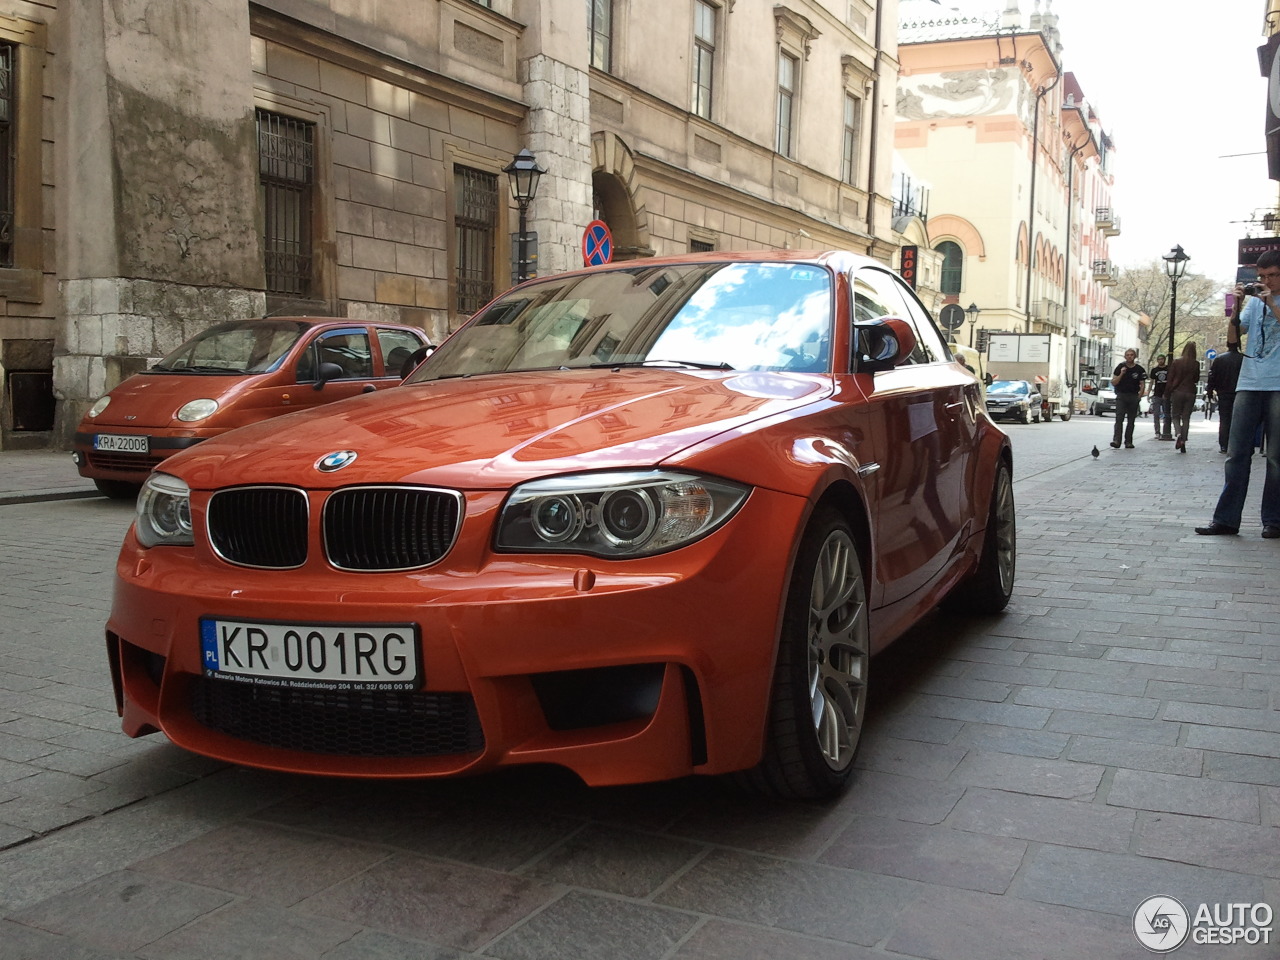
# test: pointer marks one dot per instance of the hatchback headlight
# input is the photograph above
(616, 514)
(197, 410)
(99, 405)
(164, 512)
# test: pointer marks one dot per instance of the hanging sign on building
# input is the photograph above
(909, 260)
(1269, 63)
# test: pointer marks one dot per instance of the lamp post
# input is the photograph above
(1175, 265)
(973, 312)
(523, 173)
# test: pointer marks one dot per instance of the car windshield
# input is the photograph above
(238, 346)
(740, 316)
(1009, 386)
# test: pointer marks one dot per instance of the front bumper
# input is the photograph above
(623, 672)
(129, 467)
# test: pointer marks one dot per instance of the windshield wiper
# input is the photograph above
(652, 361)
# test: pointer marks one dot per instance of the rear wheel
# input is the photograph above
(990, 586)
(118, 489)
(819, 697)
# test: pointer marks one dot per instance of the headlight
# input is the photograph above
(99, 405)
(164, 512)
(616, 514)
(197, 410)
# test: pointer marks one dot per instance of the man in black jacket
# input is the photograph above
(1221, 386)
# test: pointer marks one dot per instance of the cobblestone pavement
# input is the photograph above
(1025, 783)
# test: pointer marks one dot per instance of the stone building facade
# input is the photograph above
(174, 164)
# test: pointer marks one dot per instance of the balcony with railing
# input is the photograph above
(1105, 219)
(1049, 312)
(1102, 327)
(1104, 272)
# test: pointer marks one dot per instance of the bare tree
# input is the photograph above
(1147, 289)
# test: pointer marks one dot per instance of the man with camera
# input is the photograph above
(1257, 403)
(1130, 383)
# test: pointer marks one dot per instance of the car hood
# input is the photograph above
(488, 432)
(154, 399)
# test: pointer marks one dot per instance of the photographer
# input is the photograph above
(1130, 381)
(1257, 403)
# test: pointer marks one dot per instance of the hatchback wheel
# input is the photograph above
(819, 697)
(118, 489)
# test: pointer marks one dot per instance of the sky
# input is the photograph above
(1177, 86)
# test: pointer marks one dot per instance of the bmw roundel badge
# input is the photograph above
(335, 461)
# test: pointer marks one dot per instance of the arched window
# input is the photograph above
(952, 266)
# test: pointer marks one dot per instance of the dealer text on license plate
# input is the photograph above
(348, 656)
(119, 443)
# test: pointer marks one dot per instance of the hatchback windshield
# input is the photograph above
(238, 346)
(740, 316)
(1009, 386)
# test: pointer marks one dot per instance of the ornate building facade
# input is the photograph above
(174, 164)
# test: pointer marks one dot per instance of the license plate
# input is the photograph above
(341, 656)
(116, 443)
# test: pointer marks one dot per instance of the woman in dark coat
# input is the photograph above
(1180, 393)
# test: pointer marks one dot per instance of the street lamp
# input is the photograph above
(1175, 265)
(523, 173)
(973, 312)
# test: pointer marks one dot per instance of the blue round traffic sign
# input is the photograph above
(597, 243)
(1210, 354)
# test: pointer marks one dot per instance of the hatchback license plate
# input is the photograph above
(118, 443)
(342, 656)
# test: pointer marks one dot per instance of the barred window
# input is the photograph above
(475, 222)
(704, 53)
(600, 17)
(286, 178)
(8, 130)
(952, 267)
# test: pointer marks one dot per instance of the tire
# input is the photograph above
(990, 586)
(118, 489)
(1065, 416)
(819, 694)
(1095, 411)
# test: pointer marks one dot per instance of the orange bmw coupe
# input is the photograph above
(643, 520)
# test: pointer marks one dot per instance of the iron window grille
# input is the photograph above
(286, 178)
(475, 225)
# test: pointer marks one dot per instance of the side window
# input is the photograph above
(926, 330)
(396, 346)
(349, 350)
(877, 294)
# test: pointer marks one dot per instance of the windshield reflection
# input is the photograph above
(741, 316)
(238, 346)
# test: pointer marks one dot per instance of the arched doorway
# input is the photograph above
(613, 191)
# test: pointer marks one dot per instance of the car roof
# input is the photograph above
(836, 259)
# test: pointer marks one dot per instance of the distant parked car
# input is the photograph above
(1014, 400)
(234, 373)
(1105, 401)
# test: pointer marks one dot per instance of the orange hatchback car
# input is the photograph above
(643, 520)
(234, 373)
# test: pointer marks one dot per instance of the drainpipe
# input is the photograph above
(1031, 212)
(875, 130)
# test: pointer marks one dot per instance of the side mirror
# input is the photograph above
(328, 371)
(882, 344)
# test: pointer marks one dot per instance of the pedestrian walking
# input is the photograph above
(1224, 372)
(1159, 374)
(1130, 382)
(1257, 404)
(1180, 394)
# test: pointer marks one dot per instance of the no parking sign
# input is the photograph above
(597, 244)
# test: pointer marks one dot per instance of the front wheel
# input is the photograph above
(990, 586)
(819, 694)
